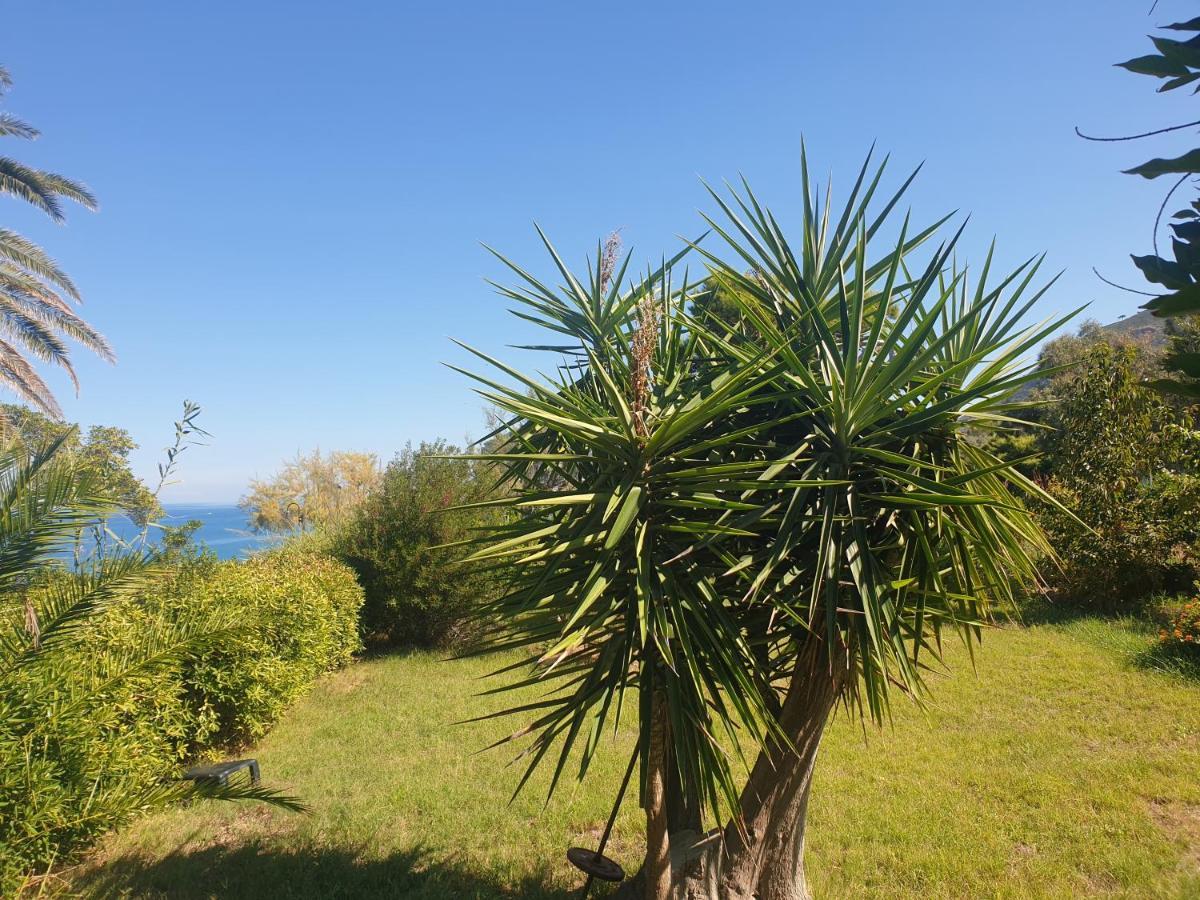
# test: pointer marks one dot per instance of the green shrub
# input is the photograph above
(1123, 461)
(101, 762)
(129, 708)
(299, 616)
(416, 593)
(77, 753)
(1128, 548)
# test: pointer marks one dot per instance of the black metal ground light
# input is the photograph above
(593, 862)
(220, 772)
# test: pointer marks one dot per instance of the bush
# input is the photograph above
(300, 613)
(125, 717)
(286, 617)
(97, 762)
(1123, 462)
(1129, 548)
(1182, 632)
(416, 591)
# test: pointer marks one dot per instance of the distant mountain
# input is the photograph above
(1142, 328)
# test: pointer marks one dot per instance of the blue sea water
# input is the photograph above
(224, 528)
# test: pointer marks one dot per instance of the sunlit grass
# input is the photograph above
(1061, 767)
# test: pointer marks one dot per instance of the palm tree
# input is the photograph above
(37, 298)
(731, 524)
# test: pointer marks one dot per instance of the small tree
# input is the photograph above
(732, 524)
(405, 540)
(103, 452)
(313, 490)
(1124, 460)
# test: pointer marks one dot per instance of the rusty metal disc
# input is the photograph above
(595, 864)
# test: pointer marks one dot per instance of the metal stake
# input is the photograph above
(596, 863)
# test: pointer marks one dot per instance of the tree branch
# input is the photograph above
(1135, 137)
(1120, 287)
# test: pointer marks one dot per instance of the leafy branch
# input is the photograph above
(1177, 64)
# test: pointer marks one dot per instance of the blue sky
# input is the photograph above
(293, 194)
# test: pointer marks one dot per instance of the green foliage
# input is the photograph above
(700, 507)
(713, 305)
(285, 618)
(1122, 459)
(77, 753)
(1058, 359)
(1176, 63)
(37, 298)
(1030, 442)
(301, 619)
(87, 741)
(1124, 462)
(1108, 435)
(416, 591)
(112, 676)
(1182, 359)
(104, 453)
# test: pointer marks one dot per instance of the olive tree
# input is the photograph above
(726, 526)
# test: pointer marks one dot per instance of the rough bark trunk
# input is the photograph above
(658, 848)
(764, 860)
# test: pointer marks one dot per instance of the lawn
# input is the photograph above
(1063, 766)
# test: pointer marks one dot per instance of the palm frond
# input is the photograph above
(34, 289)
(11, 126)
(33, 259)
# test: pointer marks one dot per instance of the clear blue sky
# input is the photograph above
(292, 194)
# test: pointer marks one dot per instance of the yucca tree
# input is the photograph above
(37, 298)
(727, 525)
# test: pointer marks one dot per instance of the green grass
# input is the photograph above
(1065, 766)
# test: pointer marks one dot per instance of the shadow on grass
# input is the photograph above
(260, 872)
(1171, 661)
(1043, 611)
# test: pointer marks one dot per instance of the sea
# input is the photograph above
(224, 528)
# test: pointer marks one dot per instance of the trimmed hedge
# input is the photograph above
(304, 609)
(281, 620)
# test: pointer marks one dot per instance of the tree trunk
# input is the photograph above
(658, 847)
(764, 860)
